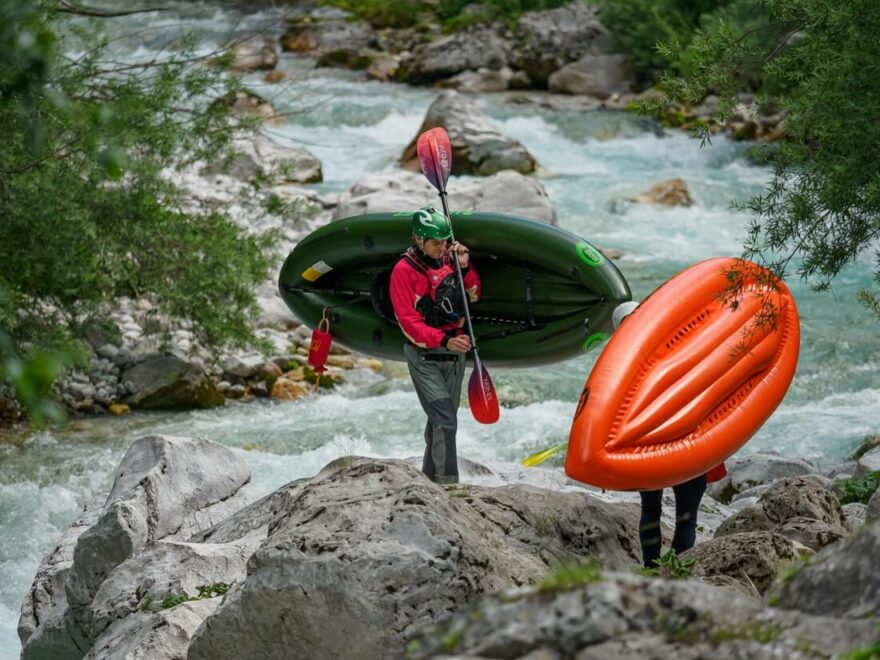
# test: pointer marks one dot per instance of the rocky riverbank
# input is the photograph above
(566, 51)
(370, 559)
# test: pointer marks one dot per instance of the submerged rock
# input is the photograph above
(673, 192)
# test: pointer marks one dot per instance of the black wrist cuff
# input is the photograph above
(445, 341)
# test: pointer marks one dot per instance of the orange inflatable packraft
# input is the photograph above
(685, 380)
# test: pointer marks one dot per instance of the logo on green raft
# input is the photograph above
(589, 255)
(594, 340)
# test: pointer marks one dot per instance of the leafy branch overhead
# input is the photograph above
(89, 211)
(817, 62)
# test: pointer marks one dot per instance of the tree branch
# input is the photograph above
(66, 7)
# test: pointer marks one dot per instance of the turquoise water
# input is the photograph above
(591, 161)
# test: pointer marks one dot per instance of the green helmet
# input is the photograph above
(428, 222)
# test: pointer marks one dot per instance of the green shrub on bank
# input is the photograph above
(451, 14)
(858, 489)
(88, 213)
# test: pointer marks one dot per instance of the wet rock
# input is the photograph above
(118, 409)
(548, 40)
(286, 389)
(383, 67)
(600, 76)
(473, 48)
(254, 54)
(275, 77)
(317, 36)
(248, 104)
(504, 192)
(673, 192)
(477, 146)
(167, 382)
(481, 80)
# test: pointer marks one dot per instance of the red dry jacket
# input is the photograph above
(409, 285)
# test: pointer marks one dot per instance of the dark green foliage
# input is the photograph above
(88, 213)
(452, 14)
(821, 209)
(858, 489)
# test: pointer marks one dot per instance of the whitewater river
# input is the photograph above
(591, 161)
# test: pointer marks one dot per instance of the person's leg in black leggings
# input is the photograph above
(687, 504)
(649, 526)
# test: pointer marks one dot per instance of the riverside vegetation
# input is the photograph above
(107, 134)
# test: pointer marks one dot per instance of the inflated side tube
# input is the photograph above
(547, 293)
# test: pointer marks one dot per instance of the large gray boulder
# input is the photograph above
(254, 54)
(365, 552)
(165, 488)
(168, 382)
(593, 75)
(842, 580)
(265, 158)
(46, 602)
(753, 558)
(744, 472)
(504, 192)
(478, 47)
(802, 509)
(320, 36)
(628, 617)
(869, 461)
(548, 40)
(478, 147)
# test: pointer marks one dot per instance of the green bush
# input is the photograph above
(88, 212)
(858, 489)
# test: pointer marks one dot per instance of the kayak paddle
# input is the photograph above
(539, 457)
(435, 155)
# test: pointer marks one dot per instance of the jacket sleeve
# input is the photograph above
(403, 300)
(472, 284)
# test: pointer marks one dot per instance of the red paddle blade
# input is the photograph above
(481, 396)
(435, 155)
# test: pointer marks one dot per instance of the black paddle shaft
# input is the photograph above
(467, 311)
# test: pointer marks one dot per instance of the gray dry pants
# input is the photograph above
(438, 384)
